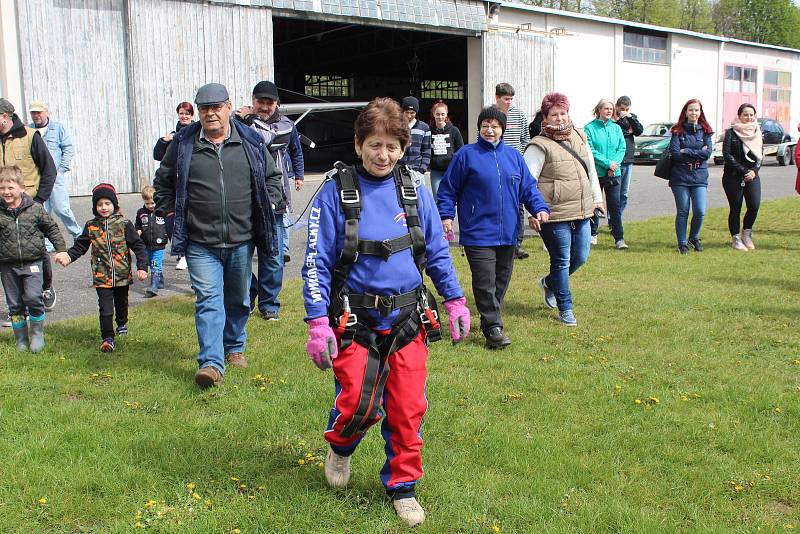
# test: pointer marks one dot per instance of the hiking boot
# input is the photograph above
(205, 377)
(21, 335)
(567, 318)
(496, 339)
(122, 330)
(108, 345)
(520, 253)
(683, 248)
(337, 469)
(409, 511)
(49, 298)
(747, 239)
(736, 243)
(621, 244)
(37, 334)
(593, 240)
(236, 359)
(181, 265)
(547, 295)
(696, 245)
(270, 315)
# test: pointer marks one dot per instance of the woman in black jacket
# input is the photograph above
(743, 151)
(185, 113)
(445, 141)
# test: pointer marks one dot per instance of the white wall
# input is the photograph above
(10, 72)
(695, 73)
(648, 87)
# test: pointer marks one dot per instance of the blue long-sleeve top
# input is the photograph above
(689, 158)
(382, 218)
(487, 184)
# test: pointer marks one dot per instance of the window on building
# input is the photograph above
(740, 79)
(326, 86)
(777, 96)
(644, 47)
(438, 89)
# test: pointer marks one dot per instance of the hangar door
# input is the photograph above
(522, 59)
(78, 68)
(175, 47)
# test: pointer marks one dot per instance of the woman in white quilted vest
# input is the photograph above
(562, 161)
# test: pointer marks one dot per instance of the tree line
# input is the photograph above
(775, 22)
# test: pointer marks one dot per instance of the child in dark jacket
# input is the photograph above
(153, 230)
(111, 237)
(23, 226)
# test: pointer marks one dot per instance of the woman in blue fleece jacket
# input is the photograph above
(488, 180)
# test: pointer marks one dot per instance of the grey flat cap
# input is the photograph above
(211, 93)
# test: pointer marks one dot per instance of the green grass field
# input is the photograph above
(672, 407)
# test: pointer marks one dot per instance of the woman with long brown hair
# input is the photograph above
(742, 148)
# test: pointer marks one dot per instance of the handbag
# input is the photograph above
(664, 165)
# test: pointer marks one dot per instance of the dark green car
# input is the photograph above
(654, 140)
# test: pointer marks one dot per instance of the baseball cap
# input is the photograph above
(211, 93)
(37, 105)
(265, 89)
(6, 107)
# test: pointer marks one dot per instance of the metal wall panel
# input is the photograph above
(522, 59)
(78, 66)
(228, 44)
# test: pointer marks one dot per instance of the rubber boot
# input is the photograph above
(152, 291)
(20, 332)
(160, 280)
(37, 333)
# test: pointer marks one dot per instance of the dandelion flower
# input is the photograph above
(301, 461)
(190, 486)
(251, 497)
(637, 401)
(42, 501)
(235, 479)
(196, 497)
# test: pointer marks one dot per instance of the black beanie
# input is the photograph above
(104, 191)
(410, 102)
(492, 112)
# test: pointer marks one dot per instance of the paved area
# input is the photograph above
(649, 197)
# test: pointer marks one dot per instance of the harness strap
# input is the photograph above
(384, 304)
(385, 248)
(407, 196)
(350, 200)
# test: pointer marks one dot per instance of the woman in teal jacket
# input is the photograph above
(608, 148)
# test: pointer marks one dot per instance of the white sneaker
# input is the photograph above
(337, 469)
(409, 511)
(747, 239)
(736, 243)
(181, 265)
(621, 244)
(593, 240)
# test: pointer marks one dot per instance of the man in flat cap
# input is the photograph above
(59, 143)
(283, 142)
(25, 148)
(223, 185)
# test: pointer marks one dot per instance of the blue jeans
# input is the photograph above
(436, 179)
(624, 186)
(614, 213)
(267, 286)
(58, 204)
(156, 260)
(219, 277)
(684, 195)
(568, 245)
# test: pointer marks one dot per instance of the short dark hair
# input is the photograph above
(503, 89)
(382, 115)
(624, 101)
(744, 107)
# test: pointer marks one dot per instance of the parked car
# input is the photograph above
(776, 143)
(654, 140)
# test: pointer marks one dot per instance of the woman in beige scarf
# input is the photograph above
(743, 151)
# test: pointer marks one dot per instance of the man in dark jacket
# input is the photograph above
(25, 148)
(223, 186)
(631, 127)
(418, 151)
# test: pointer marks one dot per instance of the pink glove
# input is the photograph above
(458, 313)
(321, 346)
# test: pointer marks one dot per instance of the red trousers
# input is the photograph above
(403, 406)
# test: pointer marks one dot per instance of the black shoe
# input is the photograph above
(496, 339)
(520, 253)
(683, 249)
(122, 330)
(49, 298)
(270, 315)
(696, 245)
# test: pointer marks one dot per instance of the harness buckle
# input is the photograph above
(386, 249)
(408, 192)
(383, 304)
(350, 196)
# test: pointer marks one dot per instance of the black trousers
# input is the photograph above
(110, 299)
(47, 272)
(491, 272)
(751, 194)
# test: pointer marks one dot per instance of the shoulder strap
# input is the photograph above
(350, 200)
(575, 155)
(409, 201)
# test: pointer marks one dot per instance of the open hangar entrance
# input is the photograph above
(338, 62)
